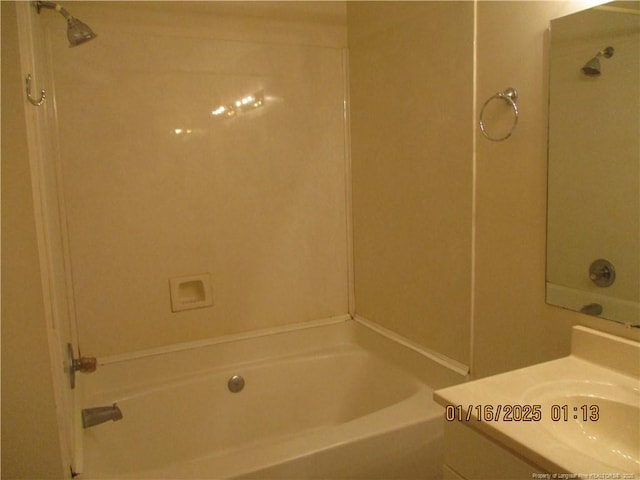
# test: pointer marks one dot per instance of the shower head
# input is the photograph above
(77, 32)
(592, 67)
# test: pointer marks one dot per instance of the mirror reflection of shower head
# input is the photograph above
(77, 32)
(592, 67)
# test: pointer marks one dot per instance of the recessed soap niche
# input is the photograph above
(192, 291)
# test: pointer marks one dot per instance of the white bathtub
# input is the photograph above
(333, 401)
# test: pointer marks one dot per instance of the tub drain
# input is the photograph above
(235, 384)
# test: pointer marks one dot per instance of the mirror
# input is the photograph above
(593, 219)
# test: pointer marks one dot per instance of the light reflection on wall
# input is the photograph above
(242, 105)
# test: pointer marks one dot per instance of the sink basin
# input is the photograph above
(599, 419)
(578, 414)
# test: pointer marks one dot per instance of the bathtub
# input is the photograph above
(334, 400)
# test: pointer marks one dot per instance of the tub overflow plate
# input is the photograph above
(235, 384)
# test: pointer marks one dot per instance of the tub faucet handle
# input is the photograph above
(81, 364)
(602, 273)
(85, 364)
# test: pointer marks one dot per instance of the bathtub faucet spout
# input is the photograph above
(98, 415)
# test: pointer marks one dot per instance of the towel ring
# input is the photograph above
(510, 95)
(32, 100)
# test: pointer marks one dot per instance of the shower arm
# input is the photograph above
(53, 6)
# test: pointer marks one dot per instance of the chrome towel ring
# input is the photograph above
(510, 95)
(32, 100)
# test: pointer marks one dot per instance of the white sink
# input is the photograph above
(600, 419)
(587, 404)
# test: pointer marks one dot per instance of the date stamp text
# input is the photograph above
(522, 413)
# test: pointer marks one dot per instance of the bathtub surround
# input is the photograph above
(254, 201)
(449, 228)
(413, 146)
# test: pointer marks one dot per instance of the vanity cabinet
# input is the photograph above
(471, 455)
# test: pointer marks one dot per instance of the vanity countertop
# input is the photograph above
(577, 414)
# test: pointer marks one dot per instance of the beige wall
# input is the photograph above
(411, 65)
(404, 178)
(30, 441)
(513, 326)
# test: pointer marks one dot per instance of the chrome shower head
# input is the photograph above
(592, 67)
(77, 32)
